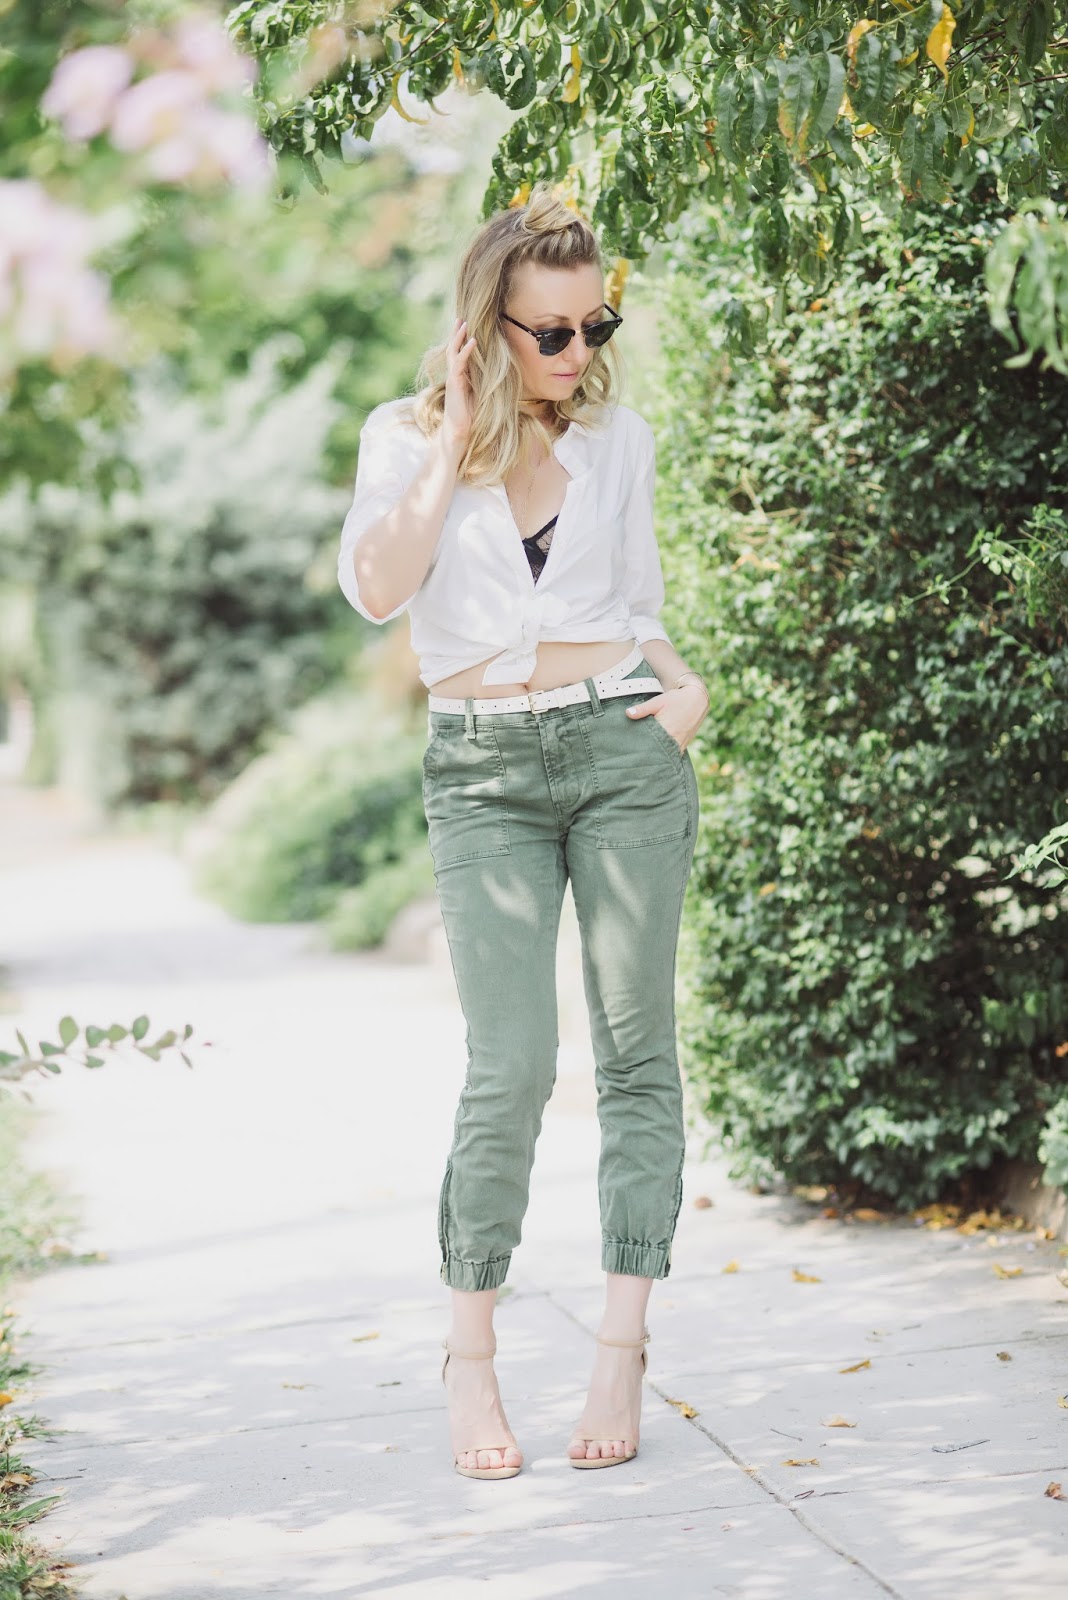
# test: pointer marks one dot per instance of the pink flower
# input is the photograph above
(84, 88)
(205, 47)
(155, 109)
(52, 305)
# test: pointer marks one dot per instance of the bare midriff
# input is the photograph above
(558, 662)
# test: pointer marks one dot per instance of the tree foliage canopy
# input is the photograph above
(800, 112)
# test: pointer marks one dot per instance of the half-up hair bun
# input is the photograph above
(546, 212)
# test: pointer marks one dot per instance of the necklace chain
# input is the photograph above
(526, 498)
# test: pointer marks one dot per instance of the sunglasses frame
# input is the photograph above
(546, 333)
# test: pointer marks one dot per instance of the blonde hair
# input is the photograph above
(548, 233)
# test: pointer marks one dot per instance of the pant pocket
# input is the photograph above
(642, 795)
(464, 797)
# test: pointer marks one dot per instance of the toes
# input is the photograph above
(489, 1458)
(513, 1456)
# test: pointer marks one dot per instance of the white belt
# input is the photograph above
(610, 683)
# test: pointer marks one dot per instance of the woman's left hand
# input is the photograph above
(681, 711)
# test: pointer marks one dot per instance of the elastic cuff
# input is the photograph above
(460, 1274)
(640, 1260)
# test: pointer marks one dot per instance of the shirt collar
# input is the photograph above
(577, 447)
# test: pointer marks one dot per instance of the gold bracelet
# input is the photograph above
(693, 673)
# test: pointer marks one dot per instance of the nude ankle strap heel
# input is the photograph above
(614, 1461)
(478, 1472)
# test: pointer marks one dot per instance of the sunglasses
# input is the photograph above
(552, 340)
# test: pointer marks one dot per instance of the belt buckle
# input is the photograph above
(530, 699)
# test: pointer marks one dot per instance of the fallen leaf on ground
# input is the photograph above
(1062, 1400)
(867, 1214)
(683, 1408)
(702, 1202)
(362, 1338)
(805, 1277)
(732, 1266)
(810, 1461)
(1006, 1272)
(865, 1363)
(837, 1422)
(1053, 1491)
(1003, 1355)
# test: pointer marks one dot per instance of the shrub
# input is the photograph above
(869, 1002)
(176, 621)
(361, 917)
(336, 798)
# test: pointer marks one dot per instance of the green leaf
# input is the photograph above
(68, 1030)
(94, 1035)
(94, 1061)
(139, 1027)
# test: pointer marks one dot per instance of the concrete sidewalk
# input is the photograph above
(249, 1386)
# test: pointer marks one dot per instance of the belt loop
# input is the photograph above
(595, 699)
(469, 718)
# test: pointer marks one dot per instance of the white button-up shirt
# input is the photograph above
(602, 577)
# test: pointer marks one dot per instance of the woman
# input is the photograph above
(508, 508)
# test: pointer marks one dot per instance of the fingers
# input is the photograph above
(653, 703)
(458, 345)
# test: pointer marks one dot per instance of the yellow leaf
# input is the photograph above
(809, 1461)
(837, 1422)
(362, 1338)
(1062, 1400)
(732, 1266)
(1003, 1355)
(767, 888)
(395, 103)
(683, 1408)
(496, 18)
(521, 196)
(457, 65)
(805, 1277)
(615, 281)
(574, 82)
(906, 61)
(856, 33)
(860, 1364)
(939, 40)
(5, 1398)
(1053, 1490)
(1006, 1272)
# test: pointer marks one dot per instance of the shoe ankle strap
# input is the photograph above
(469, 1355)
(626, 1344)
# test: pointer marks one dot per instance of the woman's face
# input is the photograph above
(550, 297)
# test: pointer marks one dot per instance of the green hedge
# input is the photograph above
(868, 1001)
(335, 801)
(183, 613)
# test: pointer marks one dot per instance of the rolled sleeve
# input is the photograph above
(386, 465)
(642, 586)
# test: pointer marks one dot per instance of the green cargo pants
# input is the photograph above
(517, 804)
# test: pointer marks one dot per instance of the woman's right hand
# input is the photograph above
(456, 420)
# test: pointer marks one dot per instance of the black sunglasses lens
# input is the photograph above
(600, 332)
(552, 342)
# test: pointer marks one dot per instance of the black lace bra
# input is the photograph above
(537, 547)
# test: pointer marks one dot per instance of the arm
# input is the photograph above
(395, 521)
(643, 590)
